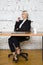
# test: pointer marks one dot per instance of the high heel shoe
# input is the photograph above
(16, 60)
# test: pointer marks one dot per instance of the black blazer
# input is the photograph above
(25, 27)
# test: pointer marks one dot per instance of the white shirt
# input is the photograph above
(22, 23)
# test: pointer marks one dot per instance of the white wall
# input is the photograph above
(11, 9)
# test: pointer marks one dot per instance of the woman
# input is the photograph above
(14, 42)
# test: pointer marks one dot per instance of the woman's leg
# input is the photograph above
(10, 42)
(13, 44)
(20, 39)
(17, 44)
(18, 50)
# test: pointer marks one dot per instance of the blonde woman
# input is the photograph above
(14, 42)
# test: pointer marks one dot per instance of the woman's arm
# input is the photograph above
(17, 25)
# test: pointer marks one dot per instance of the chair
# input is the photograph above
(24, 55)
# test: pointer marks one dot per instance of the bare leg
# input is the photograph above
(18, 50)
(14, 56)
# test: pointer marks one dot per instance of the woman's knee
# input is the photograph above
(9, 41)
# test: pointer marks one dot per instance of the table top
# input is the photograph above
(21, 34)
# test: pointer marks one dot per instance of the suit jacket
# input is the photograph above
(25, 27)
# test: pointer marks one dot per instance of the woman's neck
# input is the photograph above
(25, 19)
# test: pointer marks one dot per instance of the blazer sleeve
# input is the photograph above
(17, 25)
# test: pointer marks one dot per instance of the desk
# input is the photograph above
(20, 34)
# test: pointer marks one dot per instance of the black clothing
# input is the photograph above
(15, 41)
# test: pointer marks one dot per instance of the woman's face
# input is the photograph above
(24, 15)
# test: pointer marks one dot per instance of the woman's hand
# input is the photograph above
(18, 19)
(17, 29)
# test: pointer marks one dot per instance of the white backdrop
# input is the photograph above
(10, 10)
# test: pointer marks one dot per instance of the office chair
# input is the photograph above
(24, 55)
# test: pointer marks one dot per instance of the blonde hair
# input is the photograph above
(26, 13)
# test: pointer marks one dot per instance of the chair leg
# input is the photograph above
(24, 55)
(10, 55)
